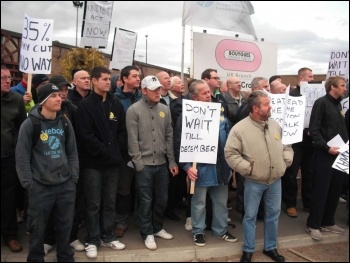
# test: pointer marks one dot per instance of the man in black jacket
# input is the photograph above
(102, 136)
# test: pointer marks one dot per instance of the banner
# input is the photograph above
(225, 15)
(96, 24)
(339, 64)
(124, 45)
(36, 46)
(200, 131)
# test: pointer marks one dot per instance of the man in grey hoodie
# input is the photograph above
(48, 169)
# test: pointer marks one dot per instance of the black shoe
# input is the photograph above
(246, 257)
(199, 240)
(172, 216)
(273, 254)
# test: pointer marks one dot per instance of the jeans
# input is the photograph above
(218, 196)
(253, 192)
(123, 205)
(152, 190)
(42, 201)
(100, 191)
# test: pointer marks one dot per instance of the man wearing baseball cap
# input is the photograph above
(150, 145)
(48, 170)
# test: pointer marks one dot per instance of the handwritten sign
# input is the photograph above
(36, 46)
(96, 24)
(339, 64)
(123, 49)
(342, 162)
(200, 131)
(311, 91)
(289, 113)
(344, 105)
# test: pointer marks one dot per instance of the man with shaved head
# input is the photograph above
(277, 87)
(164, 79)
(81, 88)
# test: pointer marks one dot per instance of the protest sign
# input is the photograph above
(342, 162)
(339, 64)
(36, 46)
(312, 91)
(200, 131)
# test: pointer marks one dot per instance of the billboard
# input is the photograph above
(233, 57)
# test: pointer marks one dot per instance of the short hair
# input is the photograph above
(97, 71)
(254, 99)
(255, 82)
(75, 70)
(302, 70)
(125, 72)
(3, 67)
(332, 81)
(206, 73)
(172, 80)
(192, 90)
(274, 77)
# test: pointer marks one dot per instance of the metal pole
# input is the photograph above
(76, 32)
(146, 47)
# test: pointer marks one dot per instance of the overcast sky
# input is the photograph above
(305, 32)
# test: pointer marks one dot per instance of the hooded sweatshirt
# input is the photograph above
(54, 158)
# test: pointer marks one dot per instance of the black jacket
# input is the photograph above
(327, 121)
(101, 131)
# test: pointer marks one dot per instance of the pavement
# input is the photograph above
(291, 234)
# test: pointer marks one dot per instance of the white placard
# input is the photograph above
(200, 131)
(36, 46)
(311, 91)
(342, 162)
(339, 64)
(123, 49)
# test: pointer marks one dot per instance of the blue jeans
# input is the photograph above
(152, 190)
(44, 200)
(100, 190)
(253, 192)
(218, 196)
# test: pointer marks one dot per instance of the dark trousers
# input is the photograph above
(42, 201)
(9, 187)
(177, 189)
(327, 188)
(302, 159)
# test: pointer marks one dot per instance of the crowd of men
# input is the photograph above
(96, 150)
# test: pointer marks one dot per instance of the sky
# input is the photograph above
(305, 32)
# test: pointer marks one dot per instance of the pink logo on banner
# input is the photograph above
(238, 55)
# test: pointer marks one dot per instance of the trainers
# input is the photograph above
(91, 251)
(314, 233)
(229, 220)
(334, 229)
(113, 245)
(188, 224)
(163, 234)
(47, 248)
(150, 243)
(228, 237)
(292, 212)
(199, 240)
(77, 245)
(341, 201)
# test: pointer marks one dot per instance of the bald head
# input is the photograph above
(164, 79)
(278, 87)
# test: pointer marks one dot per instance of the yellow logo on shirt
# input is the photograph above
(111, 115)
(44, 137)
(222, 109)
(222, 118)
(277, 137)
(162, 114)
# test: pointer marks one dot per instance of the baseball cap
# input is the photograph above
(151, 83)
(59, 81)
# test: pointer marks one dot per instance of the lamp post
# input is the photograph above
(146, 47)
(77, 4)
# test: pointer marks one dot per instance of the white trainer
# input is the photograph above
(188, 224)
(91, 251)
(150, 243)
(334, 229)
(77, 245)
(113, 245)
(47, 248)
(163, 234)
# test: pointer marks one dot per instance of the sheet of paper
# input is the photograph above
(337, 141)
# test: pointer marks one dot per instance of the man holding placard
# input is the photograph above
(326, 122)
(211, 176)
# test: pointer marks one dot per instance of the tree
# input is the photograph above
(81, 58)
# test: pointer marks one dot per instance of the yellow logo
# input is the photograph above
(111, 115)
(44, 137)
(222, 109)
(222, 118)
(277, 137)
(162, 114)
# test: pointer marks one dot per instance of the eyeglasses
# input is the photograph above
(217, 78)
(5, 78)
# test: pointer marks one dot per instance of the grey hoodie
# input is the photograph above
(53, 160)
